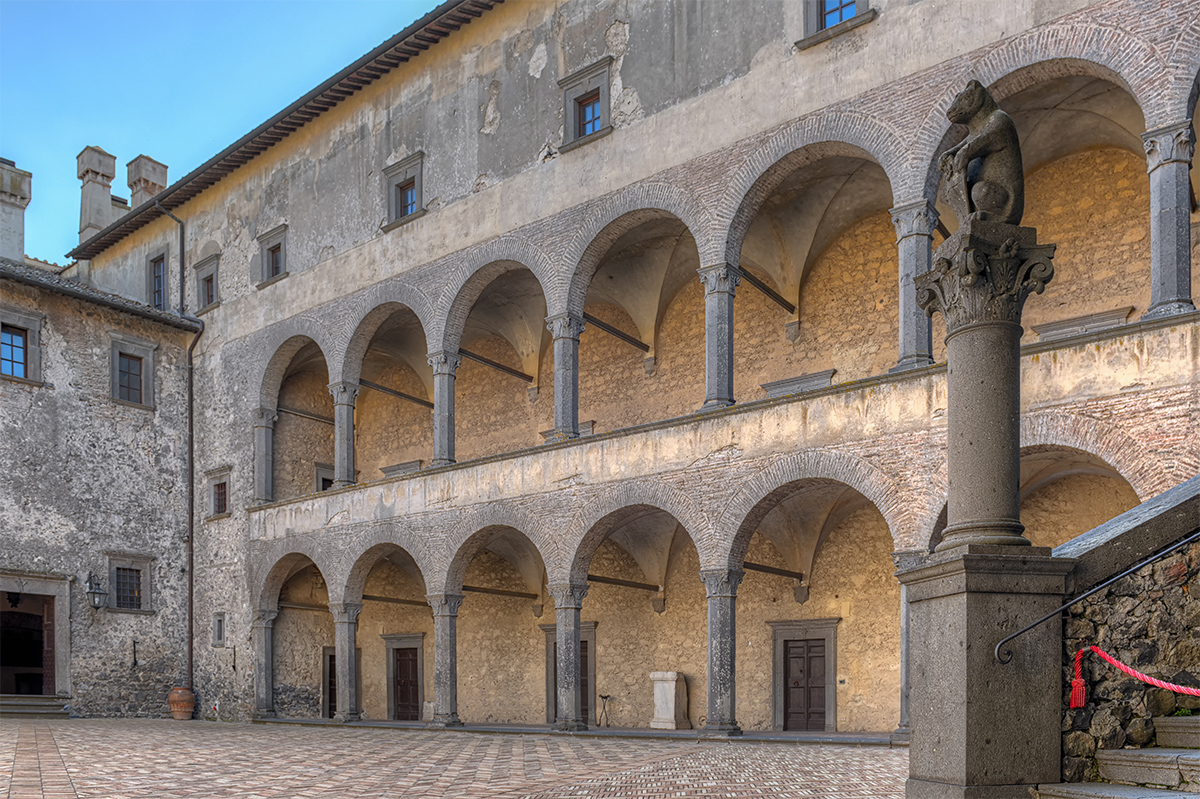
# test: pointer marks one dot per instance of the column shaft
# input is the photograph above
(344, 396)
(264, 454)
(566, 329)
(1168, 160)
(263, 643)
(720, 282)
(915, 223)
(345, 640)
(445, 659)
(568, 601)
(721, 586)
(445, 365)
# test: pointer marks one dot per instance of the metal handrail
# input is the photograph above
(1007, 656)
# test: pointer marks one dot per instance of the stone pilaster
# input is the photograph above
(905, 561)
(1168, 159)
(445, 659)
(914, 223)
(345, 640)
(445, 365)
(720, 283)
(566, 329)
(263, 644)
(981, 278)
(721, 587)
(568, 600)
(264, 454)
(344, 396)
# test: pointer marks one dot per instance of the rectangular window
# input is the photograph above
(218, 630)
(402, 182)
(158, 282)
(589, 114)
(208, 290)
(835, 11)
(220, 498)
(14, 351)
(275, 260)
(129, 378)
(406, 198)
(128, 586)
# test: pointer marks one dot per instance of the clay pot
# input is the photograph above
(182, 702)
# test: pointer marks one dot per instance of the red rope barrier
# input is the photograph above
(1078, 698)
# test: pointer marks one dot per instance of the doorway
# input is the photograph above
(27, 644)
(804, 685)
(587, 668)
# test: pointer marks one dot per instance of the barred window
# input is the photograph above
(220, 498)
(129, 378)
(13, 351)
(128, 585)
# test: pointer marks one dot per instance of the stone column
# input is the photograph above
(720, 283)
(905, 561)
(264, 454)
(262, 639)
(566, 329)
(721, 586)
(445, 365)
(345, 641)
(1168, 159)
(568, 600)
(445, 659)
(344, 396)
(915, 223)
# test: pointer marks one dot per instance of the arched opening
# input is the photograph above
(393, 421)
(502, 397)
(818, 614)
(823, 241)
(302, 452)
(501, 666)
(302, 642)
(642, 358)
(649, 614)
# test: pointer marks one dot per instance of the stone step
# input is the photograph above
(30, 706)
(1157, 767)
(1104, 790)
(1178, 732)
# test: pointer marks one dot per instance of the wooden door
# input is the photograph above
(331, 686)
(407, 689)
(804, 685)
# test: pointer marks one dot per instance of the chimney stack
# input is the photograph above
(15, 192)
(147, 178)
(97, 170)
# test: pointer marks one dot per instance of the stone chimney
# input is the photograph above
(97, 170)
(147, 178)
(15, 191)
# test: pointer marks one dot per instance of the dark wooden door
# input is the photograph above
(407, 690)
(331, 687)
(804, 685)
(584, 688)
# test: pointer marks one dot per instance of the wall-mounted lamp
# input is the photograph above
(95, 593)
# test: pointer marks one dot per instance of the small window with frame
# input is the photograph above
(156, 276)
(324, 477)
(403, 181)
(208, 293)
(824, 19)
(133, 370)
(218, 629)
(218, 482)
(273, 257)
(129, 582)
(20, 345)
(14, 351)
(586, 104)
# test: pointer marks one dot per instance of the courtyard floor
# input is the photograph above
(125, 758)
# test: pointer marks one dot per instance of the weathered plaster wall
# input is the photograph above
(1066, 508)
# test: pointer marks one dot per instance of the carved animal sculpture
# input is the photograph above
(986, 166)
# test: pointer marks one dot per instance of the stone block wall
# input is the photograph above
(1150, 620)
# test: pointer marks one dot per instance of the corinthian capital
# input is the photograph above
(567, 595)
(564, 325)
(344, 393)
(1169, 144)
(445, 363)
(345, 612)
(445, 604)
(721, 582)
(914, 219)
(720, 278)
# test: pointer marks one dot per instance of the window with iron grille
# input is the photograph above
(158, 282)
(128, 587)
(835, 11)
(220, 498)
(14, 351)
(129, 378)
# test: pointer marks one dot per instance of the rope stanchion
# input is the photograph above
(1078, 695)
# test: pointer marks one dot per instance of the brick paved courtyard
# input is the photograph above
(124, 758)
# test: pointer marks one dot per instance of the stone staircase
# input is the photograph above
(1167, 771)
(29, 706)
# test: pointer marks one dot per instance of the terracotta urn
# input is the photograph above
(182, 702)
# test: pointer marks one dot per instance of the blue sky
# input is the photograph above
(177, 81)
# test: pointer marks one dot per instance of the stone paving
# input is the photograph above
(128, 758)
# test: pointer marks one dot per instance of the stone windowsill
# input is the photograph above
(837, 30)
(140, 405)
(218, 516)
(588, 139)
(404, 220)
(209, 307)
(271, 280)
(131, 611)
(25, 381)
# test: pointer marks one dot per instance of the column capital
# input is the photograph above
(919, 218)
(721, 582)
(444, 604)
(444, 363)
(984, 273)
(720, 278)
(1172, 143)
(345, 612)
(565, 325)
(344, 393)
(264, 619)
(567, 595)
(265, 417)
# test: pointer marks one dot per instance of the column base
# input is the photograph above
(720, 730)
(263, 715)
(570, 726)
(346, 718)
(562, 435)
(341, 483)
(925, 789)
(445, 722)
(1168, 309)
(901, 735)
(442, 462)
(995, 533)
(910, 362)
(715, 405)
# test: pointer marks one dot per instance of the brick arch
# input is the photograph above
(604, 513)
(825, 134)
(768, 487)
(376, 541)
(357, 322)
(468, 273)
(274, 349)
(614, 216)
(479, 527)
(1081, 48)
(278, 562)
(1185, 59)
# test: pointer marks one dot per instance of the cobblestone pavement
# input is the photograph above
(128, 758)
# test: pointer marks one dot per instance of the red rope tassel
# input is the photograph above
(1078, 692)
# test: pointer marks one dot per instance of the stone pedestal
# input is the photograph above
(670, 701)
(981, 729)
